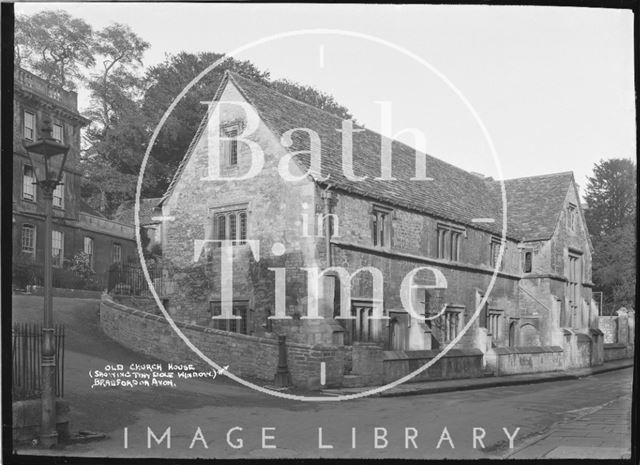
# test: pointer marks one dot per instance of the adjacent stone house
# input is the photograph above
(450, 223)
(150, 225)
(76, 226)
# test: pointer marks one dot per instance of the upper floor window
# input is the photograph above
(88, 249)
(28, 183)
(574, 275)
(527, 261)
(29, 239)
(231, 225)
(494, 252)
(58, 132)
(572, 217)
(58, 194)
(29, 130)
(449, 239)
(230, 147)
(57, 247)
(381, 226)
(117, 253)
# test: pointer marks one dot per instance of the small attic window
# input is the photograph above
(572, 217)
(527, 260)
(230, 147)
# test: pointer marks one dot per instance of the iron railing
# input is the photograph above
(27, 357)
(130, 280)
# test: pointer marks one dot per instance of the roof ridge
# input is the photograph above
(550, 175)
(233, 74)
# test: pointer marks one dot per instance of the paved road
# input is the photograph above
(551, 417)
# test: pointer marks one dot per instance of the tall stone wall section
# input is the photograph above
(247, 356)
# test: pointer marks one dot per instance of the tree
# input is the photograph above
(611, 196)
(168, 79)
(611, 220)
(165, 81)
(117, 135)
(54, 45)
(614, 268)
(120, 51)
(311, 96)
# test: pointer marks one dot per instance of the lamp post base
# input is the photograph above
(48, 433)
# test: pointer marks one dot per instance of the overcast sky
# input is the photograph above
(553, 86)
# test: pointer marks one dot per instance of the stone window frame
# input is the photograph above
(58, 194)
(28, 240)
(29, 191)
(575, 270)
(57, 260)
(240, 326)
(494, 251)
(572, 216)
(59, 128)
(523, 262)
(495, 321)
(230, 147)
(447, 235)
(240, 213)
(116, 257)
(456, 311)
(29, 132)
(88, 241)
(381, 218)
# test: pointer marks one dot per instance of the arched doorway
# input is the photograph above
(529, 335)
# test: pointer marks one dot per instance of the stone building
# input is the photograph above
(447, 228)
(76, 226)
(150, 225)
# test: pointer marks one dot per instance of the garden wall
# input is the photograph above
(616, 351)
(518, 360)
(456, 363)
(247, 356)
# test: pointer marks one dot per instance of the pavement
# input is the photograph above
(553, 418)
(467, 384)
(594, 433)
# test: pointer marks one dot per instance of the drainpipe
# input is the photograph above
(327, 196)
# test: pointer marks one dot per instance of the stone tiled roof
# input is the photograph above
(126, 210)
(534, 204)
(453, 194)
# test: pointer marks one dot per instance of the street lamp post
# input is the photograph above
(49, 148)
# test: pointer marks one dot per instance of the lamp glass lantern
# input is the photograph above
(50, 150)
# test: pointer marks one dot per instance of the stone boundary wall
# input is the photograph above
(518, 360)
(619, 329)
(616, 351)
(457, 363)
(609, 326)
(580, 351)
(68, 293)
(247, 356)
